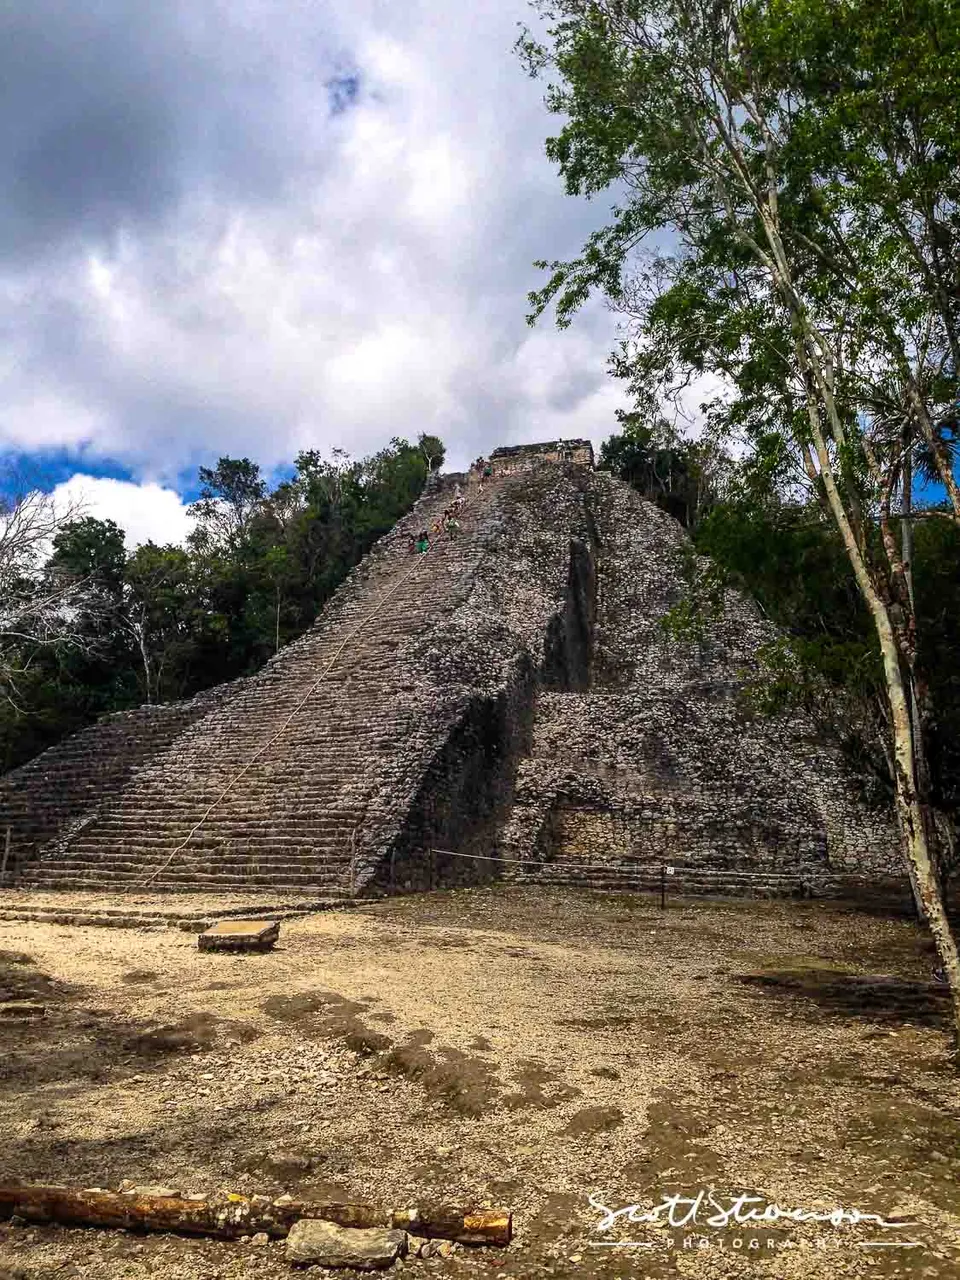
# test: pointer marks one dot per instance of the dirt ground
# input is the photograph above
(524, 1048)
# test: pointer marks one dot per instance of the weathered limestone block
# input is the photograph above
(21, 1010)
(366, 1249)
(240, 935)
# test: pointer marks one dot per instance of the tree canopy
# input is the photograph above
(94, 627)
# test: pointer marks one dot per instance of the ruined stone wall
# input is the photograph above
(525, 456)
(790, 766)
(660, 761)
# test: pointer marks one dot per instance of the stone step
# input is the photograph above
(119, 864)
(248, 808)
(185, 920)
(293, 872)
(214, 833)
(260, 820)
(206, 844)
(111, 856)
(198, 849)
(47, 872)
(210, 882)
(181, 911)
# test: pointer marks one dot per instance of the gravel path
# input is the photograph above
(512, 1047)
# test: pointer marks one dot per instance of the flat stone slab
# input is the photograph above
(240, 935)
(20, 1009)
(312, 1240)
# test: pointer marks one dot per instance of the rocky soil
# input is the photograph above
(525, 1048)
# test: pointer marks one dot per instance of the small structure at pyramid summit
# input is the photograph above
(507, 705)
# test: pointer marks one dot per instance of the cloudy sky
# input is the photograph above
(253, 227)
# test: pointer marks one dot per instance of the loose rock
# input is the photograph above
(21, 1009)
(367, 1249)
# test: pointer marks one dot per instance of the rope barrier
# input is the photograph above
(421, 560)
(602, 866)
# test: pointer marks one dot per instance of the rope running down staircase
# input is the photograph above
(421, 559)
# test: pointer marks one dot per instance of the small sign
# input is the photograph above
(670, 870)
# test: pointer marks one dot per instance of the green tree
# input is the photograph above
(91, 549)
(230, 494)
(433, 451)
(90, 554)
(164, 619)
(72, 661)
(683, 477)
(92, 628)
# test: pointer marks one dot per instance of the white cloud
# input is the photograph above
(378, 290)
(146, 512)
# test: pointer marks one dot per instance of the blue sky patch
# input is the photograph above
(23, 471)
(342, 92)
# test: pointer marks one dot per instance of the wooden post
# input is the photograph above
(6, 855)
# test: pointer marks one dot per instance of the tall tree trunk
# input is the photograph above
(906, 524)
(915, 824)
(912, 820)
(906, 550)
(145, 658)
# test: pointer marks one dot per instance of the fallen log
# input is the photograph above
(231, 1215)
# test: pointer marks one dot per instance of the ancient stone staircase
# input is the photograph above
(267, 793)
(509, 698)
(51, 793)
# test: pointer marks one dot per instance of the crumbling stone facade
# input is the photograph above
(511, 696)
(478, 673)
(522, 457)
(661, 763)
